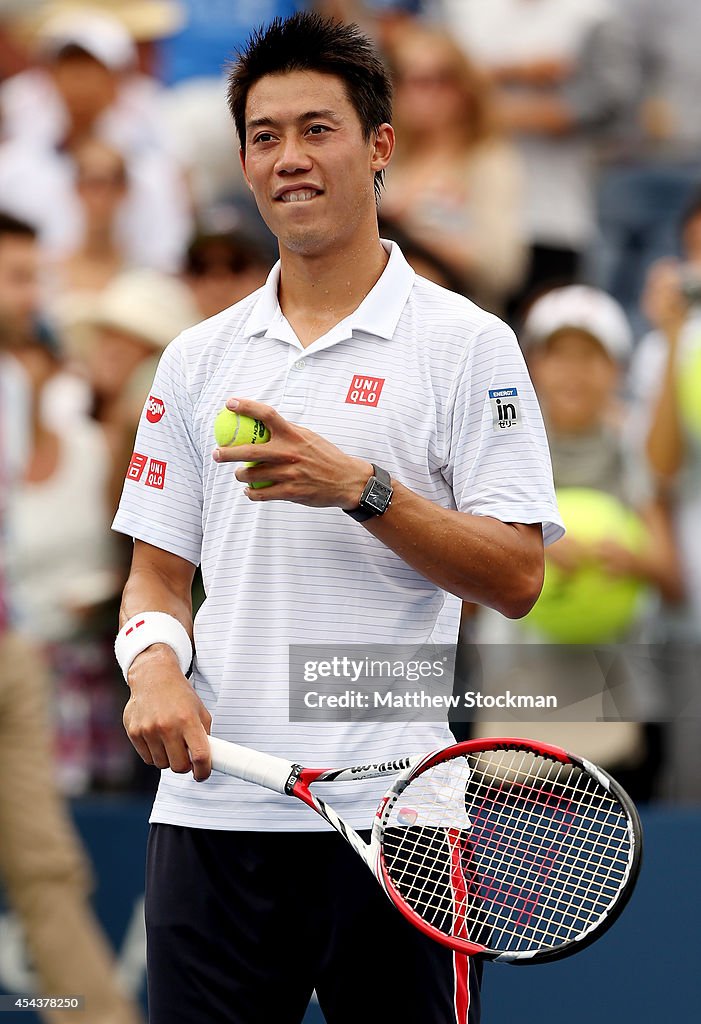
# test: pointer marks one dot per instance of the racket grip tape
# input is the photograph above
(250, 765)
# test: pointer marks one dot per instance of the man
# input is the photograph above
(354, 364)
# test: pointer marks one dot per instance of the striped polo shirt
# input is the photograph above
(418, 380)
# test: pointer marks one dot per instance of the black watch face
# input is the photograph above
(378, 497)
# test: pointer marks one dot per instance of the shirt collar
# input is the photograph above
(378, 314)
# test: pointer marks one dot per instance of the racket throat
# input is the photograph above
(293, 780)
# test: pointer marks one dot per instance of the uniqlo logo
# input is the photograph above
(365, 390)
(155, 409)
(156, 474)
(136, 467)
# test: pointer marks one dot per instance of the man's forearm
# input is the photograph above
(148, 590)
(665, 441)
(478, 558)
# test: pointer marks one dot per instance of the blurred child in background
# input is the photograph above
(578, 343)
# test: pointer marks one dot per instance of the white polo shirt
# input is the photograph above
(404, 382)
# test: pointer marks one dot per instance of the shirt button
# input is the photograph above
(300, 364)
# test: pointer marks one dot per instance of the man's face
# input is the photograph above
(307, 163)
(19, 281)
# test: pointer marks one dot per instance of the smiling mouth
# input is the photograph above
(302, 195)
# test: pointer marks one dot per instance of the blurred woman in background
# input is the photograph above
(101, 185)
(455, 184)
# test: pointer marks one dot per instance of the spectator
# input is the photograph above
(564, 71)
(653, 159)
(455, 184)
(117, 341)
(423, 262)
(665, 383)
(223, 267)
(672, 303)
(61, 567)
(42, 864)
(85, 87)
(578, 343)
(19, 277)
(102, 188)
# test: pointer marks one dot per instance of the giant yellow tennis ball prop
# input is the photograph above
(689, 391)
(589, 606)
(231, 428)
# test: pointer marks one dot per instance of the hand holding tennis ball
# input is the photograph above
(232, 428)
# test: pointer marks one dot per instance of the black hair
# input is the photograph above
(309, 42)
(233, 249)
(13, 226)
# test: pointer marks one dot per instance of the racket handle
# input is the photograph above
(250, 765)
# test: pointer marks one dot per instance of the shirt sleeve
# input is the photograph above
(162, 497)
(498, 460)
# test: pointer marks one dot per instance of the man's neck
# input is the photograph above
(316, 293)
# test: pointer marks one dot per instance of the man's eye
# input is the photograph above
(263, 137)
(318, 129)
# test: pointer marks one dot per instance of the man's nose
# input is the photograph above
(292, 157)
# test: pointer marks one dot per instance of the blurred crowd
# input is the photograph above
(548, 166)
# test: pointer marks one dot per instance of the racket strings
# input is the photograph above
(507, 848)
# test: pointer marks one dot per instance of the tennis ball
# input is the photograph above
(231, 428)
(689, 391)
(589, 606)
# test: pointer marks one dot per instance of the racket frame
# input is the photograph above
(288, 778)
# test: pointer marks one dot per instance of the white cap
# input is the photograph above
(146, 303)
(100, 35)
(581, 308)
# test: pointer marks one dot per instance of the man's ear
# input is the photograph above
(383, 147)
(242, 158)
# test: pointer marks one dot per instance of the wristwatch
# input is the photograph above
(376, 497)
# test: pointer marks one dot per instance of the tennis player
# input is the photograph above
(408, 470)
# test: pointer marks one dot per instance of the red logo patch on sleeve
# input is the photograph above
(365, 390)
(136, 467)
(156, 474)
(155, 409)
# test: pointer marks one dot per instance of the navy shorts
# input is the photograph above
(243, 926)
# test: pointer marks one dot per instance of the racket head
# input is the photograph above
(508, 849)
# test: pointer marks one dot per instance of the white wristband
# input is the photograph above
(141, 631)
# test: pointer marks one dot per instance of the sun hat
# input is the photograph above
(143, 19)
(148, 304)
(102, 36)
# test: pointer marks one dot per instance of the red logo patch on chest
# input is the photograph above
(365, 390)
(156, 474)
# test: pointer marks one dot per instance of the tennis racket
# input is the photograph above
(508, 849)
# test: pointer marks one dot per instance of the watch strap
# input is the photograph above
(360, 514)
